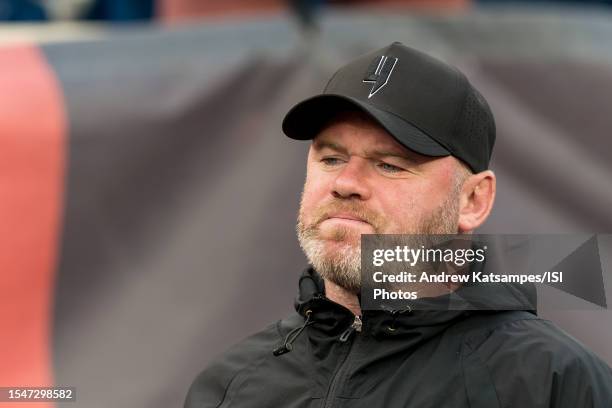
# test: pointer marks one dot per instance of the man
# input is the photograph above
(401, 144)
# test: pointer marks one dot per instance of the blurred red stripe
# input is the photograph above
(177, 10)
(32, 162)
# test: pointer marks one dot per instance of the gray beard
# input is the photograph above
(343, 266)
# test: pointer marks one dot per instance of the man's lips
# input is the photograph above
(346, 216)
(333, 221)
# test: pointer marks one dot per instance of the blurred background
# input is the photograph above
(148, 197)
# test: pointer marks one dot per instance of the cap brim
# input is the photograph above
(306, 119)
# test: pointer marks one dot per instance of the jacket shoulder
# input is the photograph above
(534, 362)
(210, 386)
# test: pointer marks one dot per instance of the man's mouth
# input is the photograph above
(346, 218)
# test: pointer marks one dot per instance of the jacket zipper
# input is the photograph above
(344, 337)
(355, 326)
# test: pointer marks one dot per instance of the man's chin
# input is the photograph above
(339, 252)
(336, 260)
(333, 247)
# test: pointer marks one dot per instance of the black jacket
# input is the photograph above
(412, 359)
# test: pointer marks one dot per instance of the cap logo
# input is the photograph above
(378, 73)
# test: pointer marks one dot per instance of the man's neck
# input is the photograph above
(343, 297)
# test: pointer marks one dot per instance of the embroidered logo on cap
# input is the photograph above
(378, 73)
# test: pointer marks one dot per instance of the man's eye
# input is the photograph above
(389, 168)
(331, 161)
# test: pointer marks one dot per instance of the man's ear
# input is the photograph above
(476, 200)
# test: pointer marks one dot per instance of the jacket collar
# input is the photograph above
(332, 318)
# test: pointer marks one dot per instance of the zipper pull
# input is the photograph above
(355, 326)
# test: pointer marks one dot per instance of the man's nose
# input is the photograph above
(351, 181)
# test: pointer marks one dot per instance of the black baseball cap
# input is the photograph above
(426, 105)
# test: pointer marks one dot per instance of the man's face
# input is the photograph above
(359, 180)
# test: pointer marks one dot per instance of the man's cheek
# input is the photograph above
(308, 208)
(313, 196)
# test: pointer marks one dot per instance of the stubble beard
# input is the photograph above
(342, 265)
